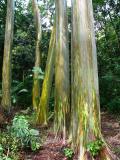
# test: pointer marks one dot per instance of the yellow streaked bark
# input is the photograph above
(85, 91)
(36, 81)
(62, 87)
(47, 83)
(6, 70)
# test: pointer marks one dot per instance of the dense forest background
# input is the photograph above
(49, 103)
(107, 27)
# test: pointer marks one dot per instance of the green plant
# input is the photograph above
(27, 136)
(94, 147)
(9, 146)
(2, 155)
(68, 152)
(1, 149)
(39, 71)
(21, 91)
(34, 144)
(20, 128)
(114, 105)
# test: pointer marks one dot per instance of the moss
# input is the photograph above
(42, 112)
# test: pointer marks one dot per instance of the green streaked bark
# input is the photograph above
(6, 70)
(36, 81)
(85, 92)
(47, 83)
(62, 89)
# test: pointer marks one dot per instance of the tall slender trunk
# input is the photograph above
(36, 81)
(86, 126)
(47, 83)
(62, 88)
(6, 70)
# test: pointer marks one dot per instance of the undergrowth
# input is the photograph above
(19, 136)
(95, 147)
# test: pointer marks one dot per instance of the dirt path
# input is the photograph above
(111, 131)
(53, 149)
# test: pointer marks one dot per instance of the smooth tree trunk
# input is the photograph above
(42, 113)
(36, 80)
(62, 86)
(6, 70)
(85, 119)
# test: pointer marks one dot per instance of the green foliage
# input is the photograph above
(68, 152)
(20, 129)
(35, 145)
(51, 102)
(114, 105)
(1, 149)
(108, 45)
(95, 147)
(21, 92)
(9, 147)
(19, 136)
(106, 14)
(109, 83)
(27, 137)
(39, 71)
(2, 155)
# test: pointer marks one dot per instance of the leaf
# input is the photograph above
(34, 132)
(1, 149)
(38, 70)
(23, 91)
(14, 100)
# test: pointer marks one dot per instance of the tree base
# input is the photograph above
(105, 154)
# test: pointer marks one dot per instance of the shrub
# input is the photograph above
(27, 136)
(94, 147)
(19, 136)
(21, 92)
(8, 147)
(68, 152)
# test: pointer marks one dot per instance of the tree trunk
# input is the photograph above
(62, 88)
(47, 83)
(6, 71)
(36, 81)
(86, 126)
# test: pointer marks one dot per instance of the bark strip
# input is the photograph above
(62, 88)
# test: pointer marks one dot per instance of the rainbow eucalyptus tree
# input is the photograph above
(36, 81)
(47, 83)
(6, 70)
(86, 127)
(62, 89)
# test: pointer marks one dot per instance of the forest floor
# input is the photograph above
(53, 149)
